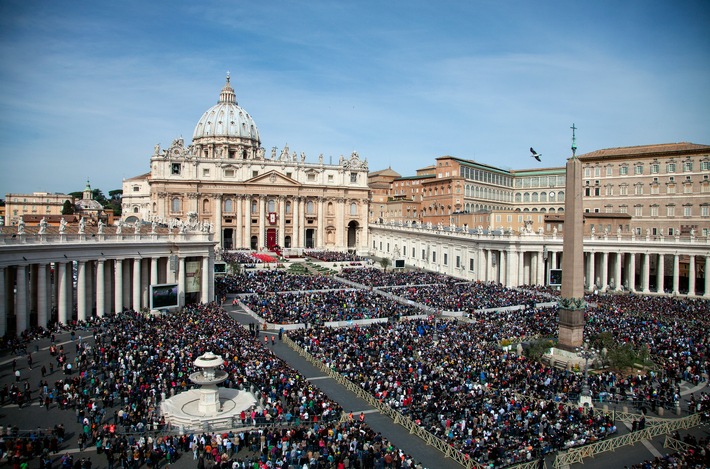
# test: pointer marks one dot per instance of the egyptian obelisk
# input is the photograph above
(572, 304)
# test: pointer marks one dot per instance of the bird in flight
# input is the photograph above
(535, 154)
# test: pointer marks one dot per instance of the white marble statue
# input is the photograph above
(43, 226)
(153, 226)
(62, 226)
(101, 227)
(137, 227)
(21, 227)
(119, 227)
(82, 225)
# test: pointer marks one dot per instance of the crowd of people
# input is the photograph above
(374, 277)
(455, 380)
(324, 306)
(334, 256)
(697, 455)
(264, 281)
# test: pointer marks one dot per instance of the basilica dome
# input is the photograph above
(226, 119)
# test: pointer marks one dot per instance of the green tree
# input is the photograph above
(384, 263)
(537, 348)
(68, 208)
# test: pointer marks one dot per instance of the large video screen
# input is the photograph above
(164, 296)
(555, 277)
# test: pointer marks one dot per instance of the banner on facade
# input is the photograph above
(193, 276)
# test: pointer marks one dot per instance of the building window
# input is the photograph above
(229, 173)
(136, 188)
(176, 205)
(654, 210)
(311, 177)
(670, 168)
(446, 259)
(670, 231)
(271, 206)
(705, 165)
(609, 171)
(688, 166)
(638, 189)
(671, 189)
(330, 178)
(353, 177)
(655, 167)
(623, 208)
(623, 189)
(688, 188)
(205, 172)
(670, 211)
(587, 172)
(310, 207)
(638, 211)
(705, 210)
(624, 170)
(254, 207)
(228, 205)
(470, 265)
(254, 174)
(655, 189)
(638, 169)
(688, 211)
(175, 169)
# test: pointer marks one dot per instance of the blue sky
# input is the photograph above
(88, 88)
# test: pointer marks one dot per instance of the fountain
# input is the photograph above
(207, 406)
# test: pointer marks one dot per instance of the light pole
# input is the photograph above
(587, 353)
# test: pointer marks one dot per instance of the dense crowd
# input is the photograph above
(469, 296)
(696, 456)
(373, 277)
(455, 381)
(320, 307)
(334, 256)
(131, 362)
(263, 281)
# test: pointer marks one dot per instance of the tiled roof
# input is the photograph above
(646, 150)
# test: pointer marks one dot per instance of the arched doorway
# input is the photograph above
(254, 243)
(352, 234)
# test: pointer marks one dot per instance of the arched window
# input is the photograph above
(135, 209)
(310, 207)
(330, 208)
(353, 209)
(176, 205)
(254, 207)
(561, 196)
(271, 206)
(526, 197)
(534, 196)
(518, 197)
(228, 205)
(288, 207)
(206, 205)
(543, 196)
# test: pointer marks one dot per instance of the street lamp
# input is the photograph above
(586, 353)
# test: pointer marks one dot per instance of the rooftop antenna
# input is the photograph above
(574, 141)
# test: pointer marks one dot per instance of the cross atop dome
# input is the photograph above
(227, 94)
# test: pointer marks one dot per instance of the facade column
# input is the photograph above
(502, 272)
(32, 288)
(3, 302)
(70, 290)
(632, 272)
(511, 271)
(239, 232)
(706, 294)
(521, 268)
(605, 271)
(81, 291)
(364, 233)
(136, 284)
(320, 238)
(646, 269)
(100, 285)
(676, 274)
(218, 219)
(262, 222)
(591, 284)
(617, 272)
(282, 221)
(296, 222)
(660, 271)
(118, 287)
(205, 287)
(691, 276)
(181, 282)
(247, 223)
(341, 241)
(42, 306)
(21, 311)
(61, 276)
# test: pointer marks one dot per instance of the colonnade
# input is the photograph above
(63, 278)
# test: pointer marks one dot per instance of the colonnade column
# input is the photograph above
(118, 285)
(81, 291)
(3, 302)
(632, 272)
(591, 284)
(502, 272)
(511, 272)
(646, 269)
(21, 298)
(521, 268)
(340, 229)
(540, 269)
(205, 287)
(136, 300)
(42, 306)
(154, 270)
(605, 270)
(282, 220)
(676, 274)
(617, 272)
(296, 217)
(100, 285)
(262, 221)
(691, 276)
(660, 271)
(62, 292)
(706, 294)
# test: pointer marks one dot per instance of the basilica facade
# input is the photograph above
(251, 199)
